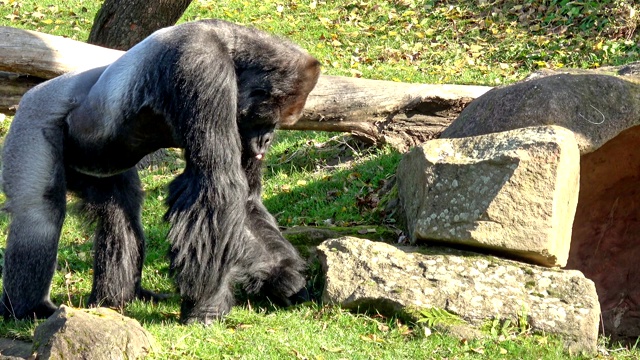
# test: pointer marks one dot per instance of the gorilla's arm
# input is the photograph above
(270, 97)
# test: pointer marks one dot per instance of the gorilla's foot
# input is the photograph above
(41, 311)
(45, 309)
(121, 299)
(203, 315)
(114, 298)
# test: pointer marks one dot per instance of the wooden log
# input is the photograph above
(401, 114)
(12, 87)
(47, 56)
(385, 111)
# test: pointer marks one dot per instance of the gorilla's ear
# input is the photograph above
(307, 78)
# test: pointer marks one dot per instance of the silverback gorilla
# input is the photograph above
(215, 89)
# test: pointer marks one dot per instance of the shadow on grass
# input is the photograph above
(343, 196)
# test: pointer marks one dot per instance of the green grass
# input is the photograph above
(425, 41)
(327, 178)
(316, 181)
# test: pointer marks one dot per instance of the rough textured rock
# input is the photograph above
(361, 274)
(513, 192)
(604, 112)
(91, 334)
(595, 107)
(14, 349)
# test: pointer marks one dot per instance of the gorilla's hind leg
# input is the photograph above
(115, 204)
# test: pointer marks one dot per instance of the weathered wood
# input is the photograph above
(385, 111)
(401, 114)
(12, 87)
(46, 56)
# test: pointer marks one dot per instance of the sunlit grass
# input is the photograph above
(327, 178)
(460, 42)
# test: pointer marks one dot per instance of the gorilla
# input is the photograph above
(213, 88)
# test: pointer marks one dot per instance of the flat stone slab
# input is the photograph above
(375, 276)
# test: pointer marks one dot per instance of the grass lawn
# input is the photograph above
(320, 178)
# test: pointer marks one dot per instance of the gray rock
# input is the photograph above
(361, 274)
(595, 107)
(15, 349)
(514, 192)
(91, 334)
(603, 111)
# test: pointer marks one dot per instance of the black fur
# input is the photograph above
(217, 90)
(283, 280)
(114, 204)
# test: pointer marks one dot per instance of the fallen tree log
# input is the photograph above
(12, 87)
(47, 56)
(401, 114)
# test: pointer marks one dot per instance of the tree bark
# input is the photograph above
(382, 112)
(120, 24)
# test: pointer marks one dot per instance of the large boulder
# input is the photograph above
(514, 192)
(375, 276)
(595, 107)
(99, 333)
(603, 111)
